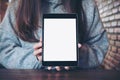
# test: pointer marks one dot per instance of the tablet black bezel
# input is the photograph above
(60, 63)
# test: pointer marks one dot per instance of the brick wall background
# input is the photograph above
(110, 16)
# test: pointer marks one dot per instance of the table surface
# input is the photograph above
(6, 74)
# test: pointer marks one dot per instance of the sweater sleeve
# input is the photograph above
(12, 54)
(95, 46)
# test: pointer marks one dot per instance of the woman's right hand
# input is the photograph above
(38, 50)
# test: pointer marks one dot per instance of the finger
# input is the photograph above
(79, 45)
(49, 68)
(67, 68)
(38, 45)
(38, 52)
(40, 39)
(39, 57)
(57, 68)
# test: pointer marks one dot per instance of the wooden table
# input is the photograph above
(64, 75)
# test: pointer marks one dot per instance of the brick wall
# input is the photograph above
(110, 16)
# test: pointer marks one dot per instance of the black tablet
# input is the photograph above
(59, 37)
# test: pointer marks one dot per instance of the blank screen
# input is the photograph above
(60, 39)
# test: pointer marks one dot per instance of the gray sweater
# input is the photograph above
(18, 54)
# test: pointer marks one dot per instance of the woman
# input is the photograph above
(20, 33)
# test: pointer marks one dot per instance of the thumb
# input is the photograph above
(79, 45)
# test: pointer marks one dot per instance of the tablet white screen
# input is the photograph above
(60, 39)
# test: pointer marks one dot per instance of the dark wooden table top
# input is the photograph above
(6, 74)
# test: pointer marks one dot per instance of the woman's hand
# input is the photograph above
(58, 68)
(38, 50)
